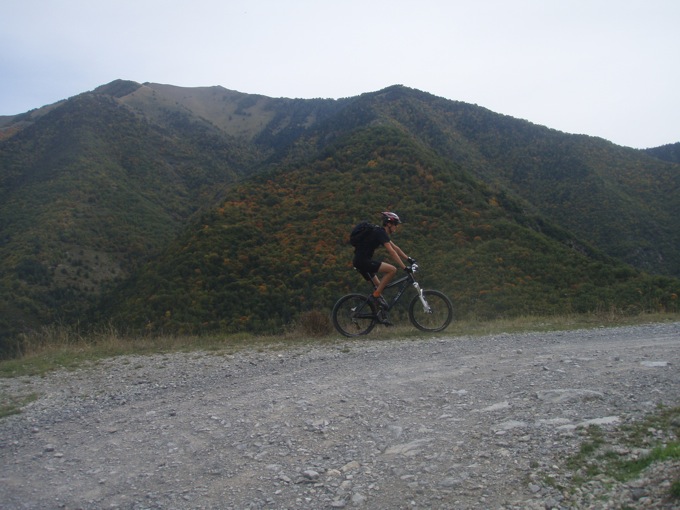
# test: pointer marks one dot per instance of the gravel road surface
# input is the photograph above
(439, 422)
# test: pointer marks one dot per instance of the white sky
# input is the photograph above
(607, 68)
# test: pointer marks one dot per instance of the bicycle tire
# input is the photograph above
(354, 315)
(439, 316)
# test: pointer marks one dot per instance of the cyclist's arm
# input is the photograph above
(399, 251)
(396, 253)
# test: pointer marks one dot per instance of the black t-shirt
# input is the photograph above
(371, 241)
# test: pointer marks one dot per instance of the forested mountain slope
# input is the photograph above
(278, 245)
(619, 199)
(96, 186)
(89, 190)
(670, 152)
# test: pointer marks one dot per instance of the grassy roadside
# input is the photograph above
(55, 348)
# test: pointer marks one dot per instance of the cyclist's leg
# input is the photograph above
(388, 271)
(369, 269)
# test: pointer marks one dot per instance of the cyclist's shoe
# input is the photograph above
(380, 302)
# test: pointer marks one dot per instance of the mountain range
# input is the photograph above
(170, 209)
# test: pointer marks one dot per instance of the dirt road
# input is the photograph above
(440, 422)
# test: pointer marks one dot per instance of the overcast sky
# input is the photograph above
(606, 68)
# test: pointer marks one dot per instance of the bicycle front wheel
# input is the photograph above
(353, 315)
(436, 316)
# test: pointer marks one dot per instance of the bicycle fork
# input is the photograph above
(421, 296)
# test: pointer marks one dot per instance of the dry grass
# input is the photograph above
(61, 347)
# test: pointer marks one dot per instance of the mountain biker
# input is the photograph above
(368, 267)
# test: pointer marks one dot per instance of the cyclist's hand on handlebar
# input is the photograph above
(410, 261)
(408, 269)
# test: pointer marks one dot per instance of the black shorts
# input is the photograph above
(368, 268)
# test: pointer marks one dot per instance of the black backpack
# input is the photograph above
(360, 232)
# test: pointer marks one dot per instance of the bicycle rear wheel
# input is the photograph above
(438, 314)
(353, 315)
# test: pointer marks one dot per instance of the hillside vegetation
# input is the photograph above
(164, 208)
(669, 152)
(278, 245)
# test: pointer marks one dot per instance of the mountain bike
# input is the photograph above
(357, 314)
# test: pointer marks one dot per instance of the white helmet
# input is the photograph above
(390, 217)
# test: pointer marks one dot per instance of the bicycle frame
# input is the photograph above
(405, 281)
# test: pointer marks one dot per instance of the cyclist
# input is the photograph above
(368, 267)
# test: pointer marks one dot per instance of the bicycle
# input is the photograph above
(429, 310)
